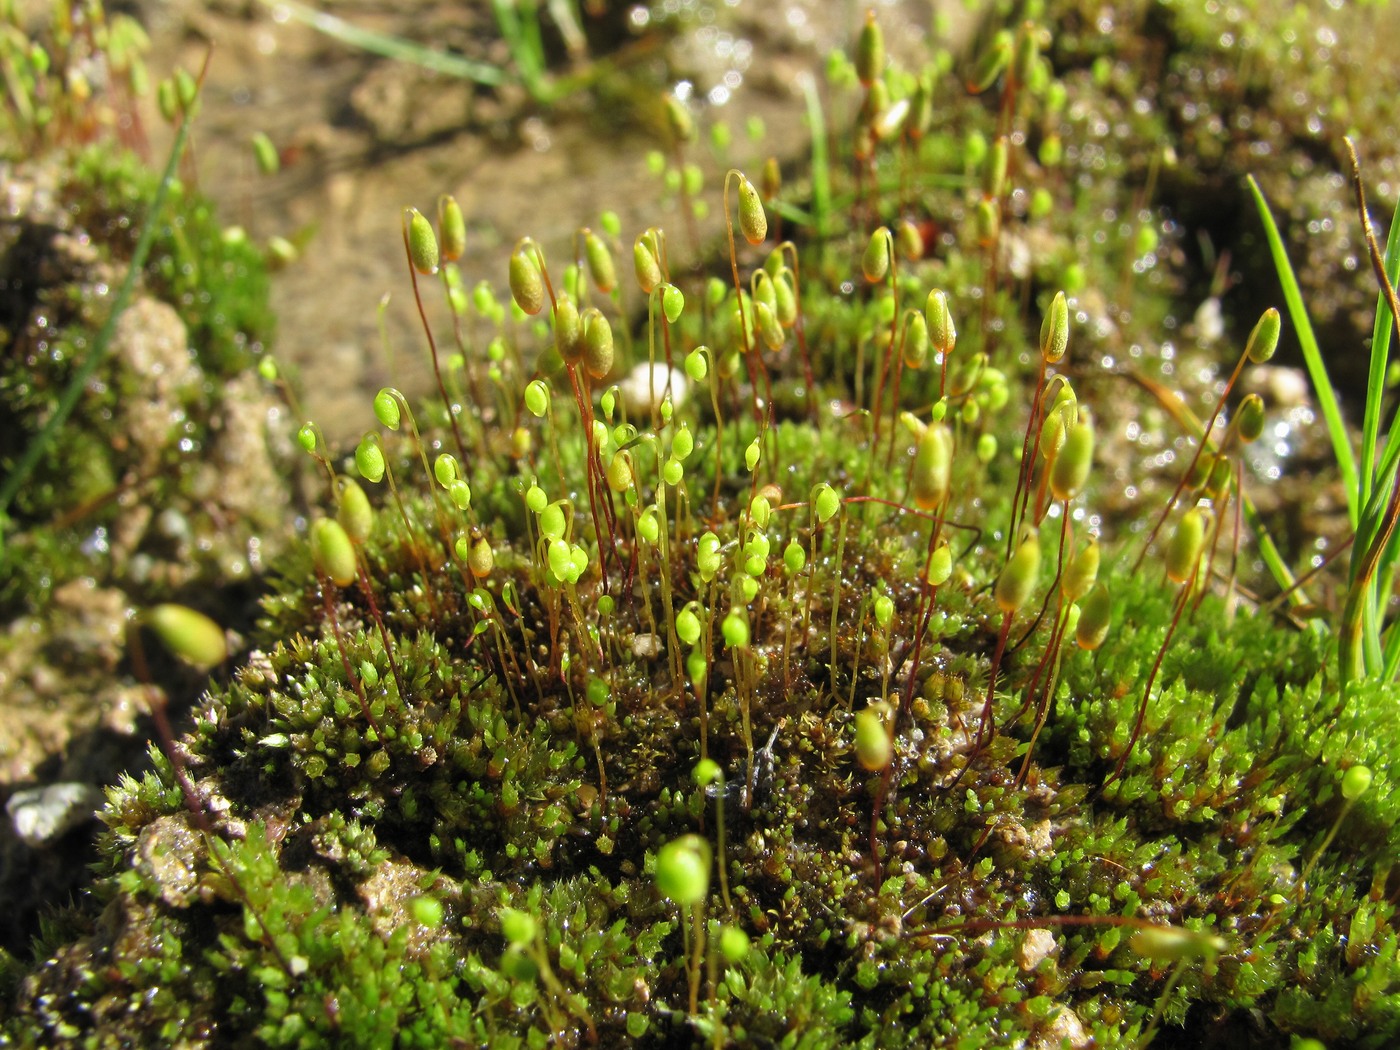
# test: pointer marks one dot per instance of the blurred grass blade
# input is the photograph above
(1312, 356)
(389, 46)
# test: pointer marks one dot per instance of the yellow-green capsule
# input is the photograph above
(1356, 781)
(332, 551)
(784, 299)
(916, 340)
(771, 178)
(994, 172)
(870, 51)
(526, 282)
(645, 264)
(1018, 577)
(1169, 944)
(752, 219)
(481, 559)
(568, 330)
(683, 869)
(769, 330)
(422, 242)
(875, 263)
(1074, 460)
(355, 514)
(1027, 52)
(987, 218)
(678, 117)
(1054, 330)
(991, 64)
(909, 241)
(600, 262)
(1263, 340)
(1221, 474)
(933, 466)
(940, 564)
(1186, 545)
(190, 635)
(1249, 418)
(941, 330)
(1082, 571)
(619, 472)
(265, 153)
(452, 228)
(597, 343)
(874, 750)
(1095, 618)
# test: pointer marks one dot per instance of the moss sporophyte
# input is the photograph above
(752, 660)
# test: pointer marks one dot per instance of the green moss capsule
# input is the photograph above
(1095, 618)
(908, 241)
(600, 262)
(265, 154)
(752, 219)
(619, 472)
(190, 635)
(1018, 577)
(568, 330)
(992, 63)
(941, 330)
(597, 343)
(1082, 571)
(1074, 461)
(1249, 418)
(369, 458)
(933, 465)
(482, 558)
(645, 263)
(916, 341)
(683, 869)
(875, 263)
(1263, 340)
(452, 228)
(994, 171)
(526, 281)
(874, 749)
(1054, 330)
(332, 551)
(870, 51)
(1186, 545)
(422, 242)
(1356, 781)
(355, 514)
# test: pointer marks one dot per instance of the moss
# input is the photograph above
(407, 765)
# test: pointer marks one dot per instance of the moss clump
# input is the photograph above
(428, 808)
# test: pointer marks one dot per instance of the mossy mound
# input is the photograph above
(812, 606)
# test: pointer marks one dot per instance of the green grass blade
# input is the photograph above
(391, 47)
(1380, 358)
(821, 161)
(1312, 357)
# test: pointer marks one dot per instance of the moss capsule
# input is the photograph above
(1095, 618)
(752, 219)
(1018, 577)
(332, 551)
(1054, 330)
(452, 228)
(1186, 545)
(933, 464)
(422, 242)
(1075, 459)
(1263, 340)
(683, 869)
(526, 281)
(190, 635)
(874, 749)
(355, 514)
